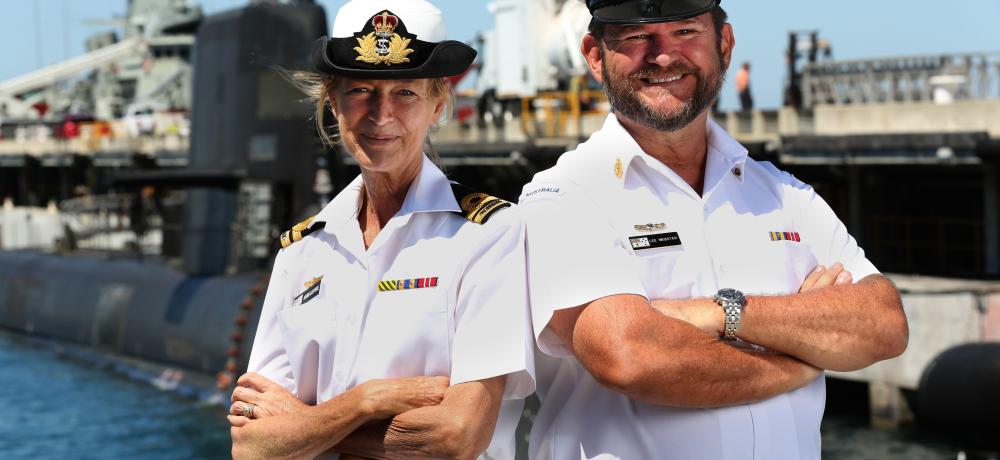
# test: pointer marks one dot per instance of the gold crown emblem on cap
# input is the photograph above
(385, 23)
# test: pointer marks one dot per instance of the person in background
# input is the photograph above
(743, 87)
(685, 296)
(396, 322)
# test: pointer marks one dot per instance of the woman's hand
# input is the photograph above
(386, 398)
(268, 399)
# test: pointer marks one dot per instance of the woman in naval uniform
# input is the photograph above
(396, 322)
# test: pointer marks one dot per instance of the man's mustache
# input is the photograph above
(654, 71)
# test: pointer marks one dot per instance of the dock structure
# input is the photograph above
(943, 314)
(916, 182)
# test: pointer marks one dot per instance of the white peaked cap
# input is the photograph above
(421, 18)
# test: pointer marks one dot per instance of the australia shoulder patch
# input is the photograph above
(478, 207)
(299, 231)
(541, 190)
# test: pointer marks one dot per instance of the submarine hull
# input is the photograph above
(131, 307)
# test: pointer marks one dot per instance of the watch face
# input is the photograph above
(731, 295)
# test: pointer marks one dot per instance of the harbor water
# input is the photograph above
(56, 406)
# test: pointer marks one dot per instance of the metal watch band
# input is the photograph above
(732, 303)
(733, 312)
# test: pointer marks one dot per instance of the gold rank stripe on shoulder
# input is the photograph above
(478, 207)
(299, 231)
(407, 284)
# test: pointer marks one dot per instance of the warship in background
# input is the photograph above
(169, 169)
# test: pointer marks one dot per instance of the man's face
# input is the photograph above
(662, 76)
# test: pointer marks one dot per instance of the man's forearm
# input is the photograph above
(840, 328)
(631, 348)
(697, 370)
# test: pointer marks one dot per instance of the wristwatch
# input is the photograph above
(732, 303)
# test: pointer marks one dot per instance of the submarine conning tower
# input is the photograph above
(251, 132)
(253, 153)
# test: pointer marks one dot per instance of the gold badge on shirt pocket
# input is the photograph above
(649, 227)
(312, 290)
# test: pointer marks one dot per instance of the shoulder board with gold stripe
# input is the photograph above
(299, 231)
(478, 207)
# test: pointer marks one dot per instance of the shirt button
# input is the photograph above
(351, 319)
(737, 171)
(338, 376)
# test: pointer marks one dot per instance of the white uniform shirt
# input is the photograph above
(453, 302)
(594, 223)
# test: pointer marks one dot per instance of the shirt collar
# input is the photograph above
(725, 154)
(429, 192)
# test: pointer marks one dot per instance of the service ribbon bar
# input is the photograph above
(402, 285)
(785, 236)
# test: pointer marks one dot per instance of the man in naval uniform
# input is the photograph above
(687, 296)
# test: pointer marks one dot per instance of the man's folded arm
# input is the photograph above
(631, 348)
(840, 328)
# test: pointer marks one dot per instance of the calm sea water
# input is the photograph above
(51, 407)
(54, 407)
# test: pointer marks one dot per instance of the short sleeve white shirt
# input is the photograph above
(610, 219)
(434, 295)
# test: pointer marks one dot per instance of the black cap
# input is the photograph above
(647, 11)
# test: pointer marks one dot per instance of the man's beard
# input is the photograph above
(623, 99)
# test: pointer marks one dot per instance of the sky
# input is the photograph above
(35, 33)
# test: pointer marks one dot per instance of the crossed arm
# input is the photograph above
(418, 417)
(655, 352)
(831, 323)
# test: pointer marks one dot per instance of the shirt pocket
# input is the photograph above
(773, 268)
(310, 331)
(411, 330)
(662, 272)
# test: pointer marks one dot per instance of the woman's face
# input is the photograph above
(383, 123)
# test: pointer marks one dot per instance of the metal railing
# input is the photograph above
(93, 222)
(941, 78)
(167, 132)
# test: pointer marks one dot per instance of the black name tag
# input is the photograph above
(662, 240)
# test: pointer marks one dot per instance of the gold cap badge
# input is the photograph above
(384, 45)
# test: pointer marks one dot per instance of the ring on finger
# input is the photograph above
(248, 410)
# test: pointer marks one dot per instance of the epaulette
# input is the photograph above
(477, 207)
(299, 231)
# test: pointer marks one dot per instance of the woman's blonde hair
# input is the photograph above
(317, 87)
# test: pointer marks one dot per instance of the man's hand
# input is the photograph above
(822, 277)
(706, 315)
